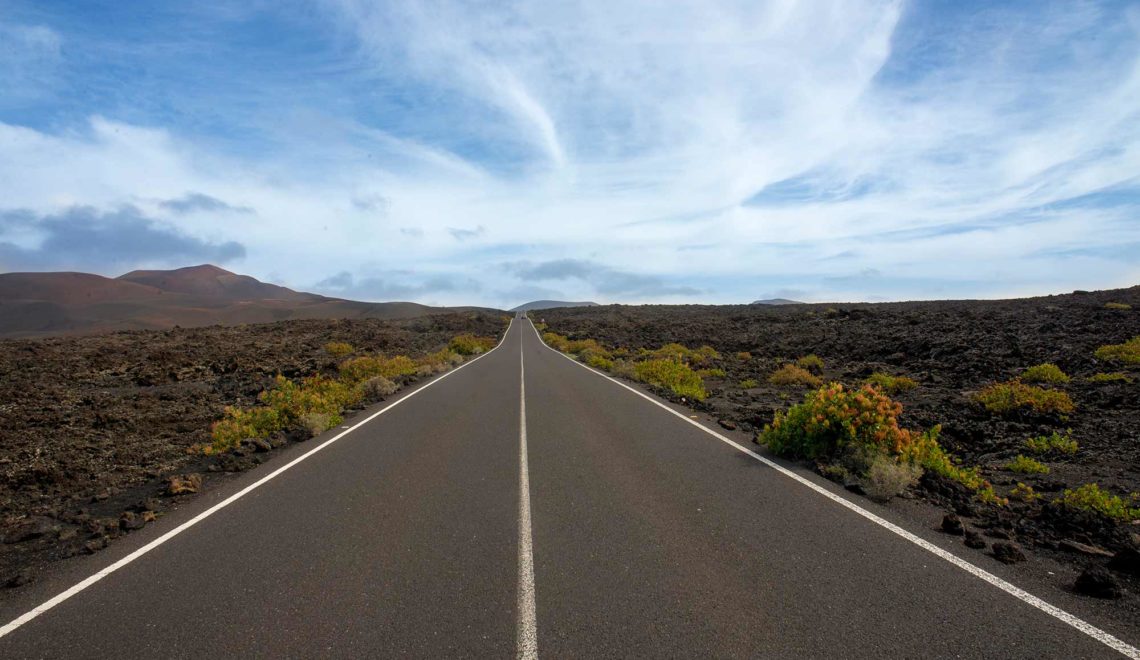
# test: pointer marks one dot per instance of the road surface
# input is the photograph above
(525, 506)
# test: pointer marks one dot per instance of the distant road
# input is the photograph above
(526, 506)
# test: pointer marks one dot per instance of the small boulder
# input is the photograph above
(727, 424)
(952, 524)
(1008, 553)
(1126, 561)
(18, 579)
(181, 484)
(131, 521)
(974, 540)
(95, 545)
(32, 528)
(259, 444)
(1097, 582)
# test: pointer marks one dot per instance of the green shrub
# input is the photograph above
(672, 351)
(672, 375)
(579, 346)
(790, 374)
(1126, 353)
(812, 363)
(744, 356)
(711, 373)
(468, 344)
(834, 418)
(1090, 497)
(748, 383)
(703, 355)
(241, 423)
(600, 362)
(556, 341)
(1025, 465)
(315, 394)
(1052, 444)
(1116, 305)
(891, 384)
(338, 349)
(359, 369)
(1024, 493)
(540, 326)
(1044, 373)
(1114, 377)
(1014, 395)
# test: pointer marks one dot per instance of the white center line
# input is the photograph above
(528, 626)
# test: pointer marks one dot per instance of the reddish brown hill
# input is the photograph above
(71, 288)
(37, 304)
(214, 282)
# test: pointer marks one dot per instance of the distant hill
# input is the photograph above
(36, 304)
(776, 301)
(550, 304)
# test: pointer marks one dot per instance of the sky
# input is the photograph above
(492, 153)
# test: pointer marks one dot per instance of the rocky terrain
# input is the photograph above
(97, 432)
(951, 349)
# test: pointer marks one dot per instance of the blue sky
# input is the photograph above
(479, 153)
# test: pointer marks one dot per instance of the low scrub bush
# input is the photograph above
(703, 356)
(338, 349)
(1025, 465)
(1113, 377)
(790, 374)
(315, 394)
(540, 326)
(834, 420)
(1052, 444)
(888, 477)
(556, 341)
(241, 423)
(673, 375)
(744, 356)
(748, 383)
(672, 351)
(891, 384)
(1091, 497)
(711, 373)
(359, 369)
(317, 423)
(598, 361)
(1126, 353)
(377, 388)
(624, 369)
(468, 344)
(1014, 395)
(1116, 305)
(812, 363)
(579, 346)
(1024, 493)
(1044, 373)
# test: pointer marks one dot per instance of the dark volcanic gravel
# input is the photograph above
(91, 428)
(952, 348)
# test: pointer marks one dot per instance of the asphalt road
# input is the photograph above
(412, 535)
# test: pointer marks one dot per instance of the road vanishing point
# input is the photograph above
(525, 506)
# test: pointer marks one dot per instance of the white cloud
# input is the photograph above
(619, 134)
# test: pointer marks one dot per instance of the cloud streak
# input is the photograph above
(960, 149)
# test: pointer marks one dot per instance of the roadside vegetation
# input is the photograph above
(312, 405)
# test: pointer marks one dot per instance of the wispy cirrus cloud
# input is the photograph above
(959, 149)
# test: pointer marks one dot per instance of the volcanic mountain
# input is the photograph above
(33, 304)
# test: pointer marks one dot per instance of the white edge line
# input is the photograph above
(1056, 612)
(63, 596)
(528, 620)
